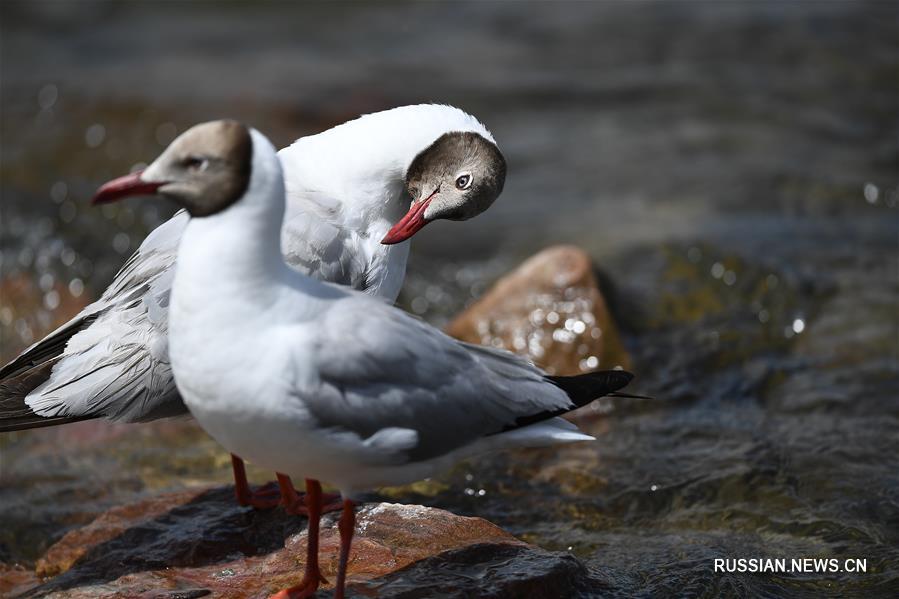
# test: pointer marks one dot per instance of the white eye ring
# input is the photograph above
(463, 181)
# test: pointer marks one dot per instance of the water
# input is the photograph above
(732, 168)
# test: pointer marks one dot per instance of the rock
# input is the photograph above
(198, 543)
(45, 492)
(498, 571)
(16, 580)
(549, 310)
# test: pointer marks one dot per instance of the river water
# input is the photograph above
(732, 168)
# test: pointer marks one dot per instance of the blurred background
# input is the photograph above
(731, 168)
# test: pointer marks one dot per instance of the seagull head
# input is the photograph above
(205, 170)
(455, 178)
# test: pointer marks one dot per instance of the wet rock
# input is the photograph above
(46, 492)
(549, 310)
(16, 580)
(498, 571)
(198, 543)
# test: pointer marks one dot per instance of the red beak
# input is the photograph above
(123, 187)
(410, 224)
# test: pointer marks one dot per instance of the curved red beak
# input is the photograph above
(123, 187)
(410, 224)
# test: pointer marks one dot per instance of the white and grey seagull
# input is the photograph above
(347, 191)
(321, 381)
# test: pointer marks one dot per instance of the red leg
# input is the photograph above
(346, 525)
(263, 498)
(313, 576)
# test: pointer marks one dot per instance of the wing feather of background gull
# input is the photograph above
(118, 365)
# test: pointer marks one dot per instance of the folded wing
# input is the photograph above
(380, 368)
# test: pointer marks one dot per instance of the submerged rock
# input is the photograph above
(198, 543)
(549, 310)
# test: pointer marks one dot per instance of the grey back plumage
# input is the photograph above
(390, 371)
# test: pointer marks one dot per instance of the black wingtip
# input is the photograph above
(581, 390)
(584, 388)
(11, 425)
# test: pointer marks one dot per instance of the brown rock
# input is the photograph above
(549, 310)
(16, 580)
(198, 543)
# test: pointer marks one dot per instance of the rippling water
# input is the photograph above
(732, 168)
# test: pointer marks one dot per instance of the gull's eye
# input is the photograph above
(463, 181)
(194, 163)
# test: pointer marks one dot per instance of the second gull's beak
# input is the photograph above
(410, 224)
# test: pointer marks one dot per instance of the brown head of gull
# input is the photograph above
(457, 177)
(205, 170)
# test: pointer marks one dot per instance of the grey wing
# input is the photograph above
(386, 376)
(117, 365)
(314, 243)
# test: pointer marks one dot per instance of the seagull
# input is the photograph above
(347, 191)
(321, 381)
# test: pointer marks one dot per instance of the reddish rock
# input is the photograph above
(16, 580)
(549, 310)
(198, 543)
